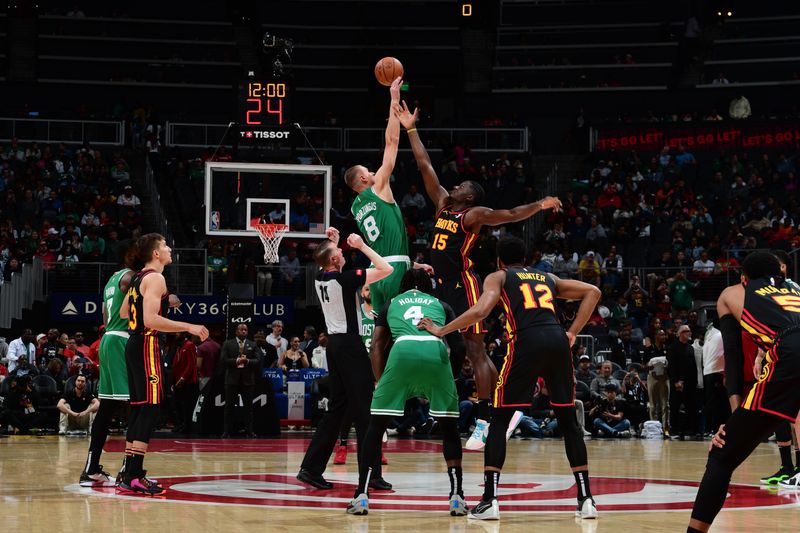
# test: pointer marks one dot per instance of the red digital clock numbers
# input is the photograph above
(264, 103)
(257, 109)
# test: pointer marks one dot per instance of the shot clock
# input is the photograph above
(264, 112)
(264, 102)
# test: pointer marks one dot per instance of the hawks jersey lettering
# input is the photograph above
(381, 223)
(527, 299)
(451, 244)
(113, 298)
(367, 326)
(408, 308)
(770, 306)
(136, 306)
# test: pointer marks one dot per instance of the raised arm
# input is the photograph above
(382, 268)
(436, 192)
(382, 175)
(487, 301)
(589, 295)
(484, 216)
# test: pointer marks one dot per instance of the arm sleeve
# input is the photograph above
(734, 356)
(454, 339)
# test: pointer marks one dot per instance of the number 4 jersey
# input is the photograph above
(408, 308)
(527, 299)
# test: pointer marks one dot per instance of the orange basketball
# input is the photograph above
(387, 69)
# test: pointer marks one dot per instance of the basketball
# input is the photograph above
(387, 69)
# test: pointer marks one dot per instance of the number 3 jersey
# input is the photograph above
(381, 224)
(136, 305)
(451, 245)
(408, 308)
(770, 306)
(527, 299)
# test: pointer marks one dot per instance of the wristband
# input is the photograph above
(410, 130)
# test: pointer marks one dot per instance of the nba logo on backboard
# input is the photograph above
(215, 220)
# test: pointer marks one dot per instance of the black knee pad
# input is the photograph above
(451, 440)
(573, 437)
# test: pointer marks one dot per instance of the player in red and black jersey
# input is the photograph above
(459, 220)
(767, 307)
(145, 307)
(538, 347)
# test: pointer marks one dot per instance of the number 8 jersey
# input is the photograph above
(381, 223)
(527, 299)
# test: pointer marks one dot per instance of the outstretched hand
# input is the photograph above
(571, 338)
(551, 202)
(427, 324)
(426, 267)
(394, 89)
(406, 117)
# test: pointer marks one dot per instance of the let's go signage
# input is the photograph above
(707, 136)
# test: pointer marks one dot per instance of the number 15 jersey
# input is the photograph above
(451, 245)
(527, 299)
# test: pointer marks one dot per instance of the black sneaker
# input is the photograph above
(315, 480)
(486, 510)
(141, 485)
(378, 483)
(97, 479)
(781, 475)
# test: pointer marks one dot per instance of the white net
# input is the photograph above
(271, 235)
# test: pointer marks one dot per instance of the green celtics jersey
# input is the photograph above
(112, 301)
(367, 326)
(408, 308)
(381, 223)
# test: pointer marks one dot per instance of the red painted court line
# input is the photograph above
(277, 445)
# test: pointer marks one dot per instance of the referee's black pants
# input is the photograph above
(351, 383)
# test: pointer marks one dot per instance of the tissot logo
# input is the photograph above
(69, 309)
(265, 134)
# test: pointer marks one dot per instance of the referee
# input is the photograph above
(351, 377)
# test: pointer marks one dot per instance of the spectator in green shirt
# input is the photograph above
(680, 292)
(94, 246)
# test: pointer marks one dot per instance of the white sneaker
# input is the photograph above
(512, 425)
(586, 509)
(485, 510)
(358, 505)
(477, 440)
(458, 507)
(793, 483)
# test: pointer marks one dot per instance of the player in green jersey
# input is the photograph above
(418, 365)
(113, 385)
(377, 214)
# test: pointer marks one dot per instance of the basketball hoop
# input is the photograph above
(271, 235)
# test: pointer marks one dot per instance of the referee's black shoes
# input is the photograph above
(315, 480)
(378, 483)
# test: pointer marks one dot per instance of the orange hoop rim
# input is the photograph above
(269, 230)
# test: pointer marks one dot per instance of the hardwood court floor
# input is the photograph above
(249, 485)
